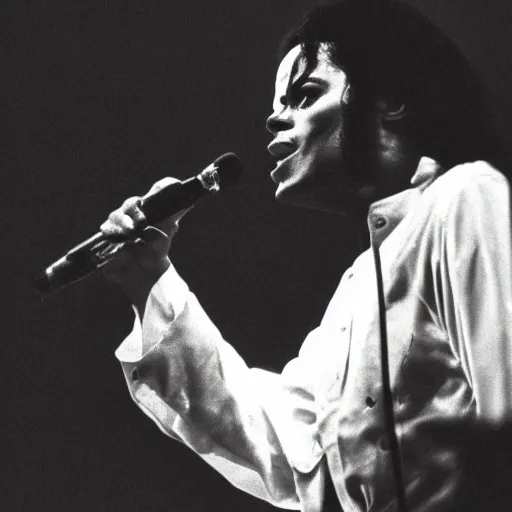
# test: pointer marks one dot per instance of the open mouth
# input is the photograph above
(283, 159)
(281, 169)
(280, 150)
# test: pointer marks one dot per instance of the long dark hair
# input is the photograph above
(390, 51)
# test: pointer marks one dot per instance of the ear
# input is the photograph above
(393, 110)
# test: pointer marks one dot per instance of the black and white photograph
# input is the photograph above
(256, 256)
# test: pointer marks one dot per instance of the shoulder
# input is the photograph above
(470, 173)
(468, 176)
(470, 186)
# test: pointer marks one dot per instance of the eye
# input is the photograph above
(305, 95)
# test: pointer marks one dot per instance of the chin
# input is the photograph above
(291, 193)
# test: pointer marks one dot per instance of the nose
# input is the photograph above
(279, 121)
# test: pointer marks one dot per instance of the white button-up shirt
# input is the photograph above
(445, 249)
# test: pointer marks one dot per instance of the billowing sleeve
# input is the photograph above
(257, 428)
(476, 283)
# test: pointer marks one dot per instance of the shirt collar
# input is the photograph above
(384, 215)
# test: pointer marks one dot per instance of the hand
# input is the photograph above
(145, 257)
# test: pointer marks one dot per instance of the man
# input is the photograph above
(376, 115)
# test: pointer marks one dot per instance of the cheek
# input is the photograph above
(324, 128)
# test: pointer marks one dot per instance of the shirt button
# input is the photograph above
(380, 222)
(351, 275)
(135, 374)
(343, 329)
(370, 402)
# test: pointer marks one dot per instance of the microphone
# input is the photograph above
(89, 256)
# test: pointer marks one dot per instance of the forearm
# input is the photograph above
(199, 390)
(185, 361)
(138, 281)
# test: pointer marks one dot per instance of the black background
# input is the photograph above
(99, 100)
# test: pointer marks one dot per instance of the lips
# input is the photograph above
(280, 149)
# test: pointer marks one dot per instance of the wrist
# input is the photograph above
(138, 282)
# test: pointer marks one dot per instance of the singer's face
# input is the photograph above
(307, 126)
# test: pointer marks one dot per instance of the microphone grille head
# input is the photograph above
(230, 168)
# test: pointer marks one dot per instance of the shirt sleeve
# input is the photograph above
(476, 279)
(255, 427)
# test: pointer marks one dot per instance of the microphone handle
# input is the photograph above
(83, 260)
(89, 256)
(155, 207)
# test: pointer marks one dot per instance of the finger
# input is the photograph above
(132, 208)
(153, 234)
(118, 226)
(154, 243)
(113, 230)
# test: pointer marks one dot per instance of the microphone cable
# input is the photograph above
(389, 416)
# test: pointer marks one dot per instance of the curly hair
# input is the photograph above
(390, 51)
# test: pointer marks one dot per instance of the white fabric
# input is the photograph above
(446, 261)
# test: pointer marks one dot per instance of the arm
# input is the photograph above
(251, 425)
(476, 274)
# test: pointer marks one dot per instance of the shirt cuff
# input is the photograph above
(166, 301)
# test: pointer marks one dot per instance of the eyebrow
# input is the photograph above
(294, 82)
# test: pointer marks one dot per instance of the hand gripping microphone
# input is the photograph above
(89, 256)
